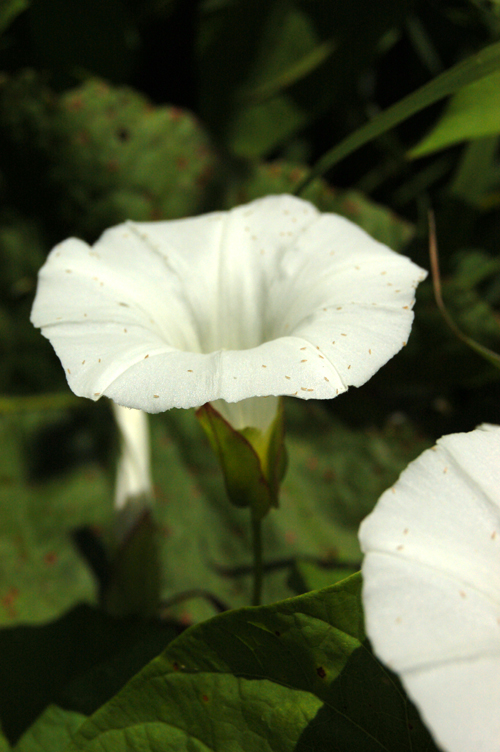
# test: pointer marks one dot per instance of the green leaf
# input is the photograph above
(295, 72)
(42, 573)
(9, 10)
(474, 68)
(4, 744)
(52, 732)
(474, 112)
(478, 173)
(290, 677)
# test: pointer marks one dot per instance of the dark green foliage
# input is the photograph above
(78, 661)
(106, 154)
(280, 80)
(289, 62)
(121, 158)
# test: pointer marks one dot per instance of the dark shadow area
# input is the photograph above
(78, 662)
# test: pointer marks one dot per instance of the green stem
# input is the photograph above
(257, 560)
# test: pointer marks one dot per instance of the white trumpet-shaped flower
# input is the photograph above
(431, 589)
(271, 298)
(133, 485)
(133, 475)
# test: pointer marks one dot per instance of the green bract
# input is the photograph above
(253, 461)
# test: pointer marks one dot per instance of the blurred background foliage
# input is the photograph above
(157, 109)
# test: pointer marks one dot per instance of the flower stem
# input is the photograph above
(257, 560)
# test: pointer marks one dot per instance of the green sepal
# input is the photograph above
(133, 587)
(253, 462)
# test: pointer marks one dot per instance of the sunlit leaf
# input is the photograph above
(474, 112)
(296, 674)
(52, 732)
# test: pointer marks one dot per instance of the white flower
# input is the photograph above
(272, 298)
(133, 485)
(133, 475)
(431, 589)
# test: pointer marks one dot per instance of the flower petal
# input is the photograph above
(271, 298)
(432, 586)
